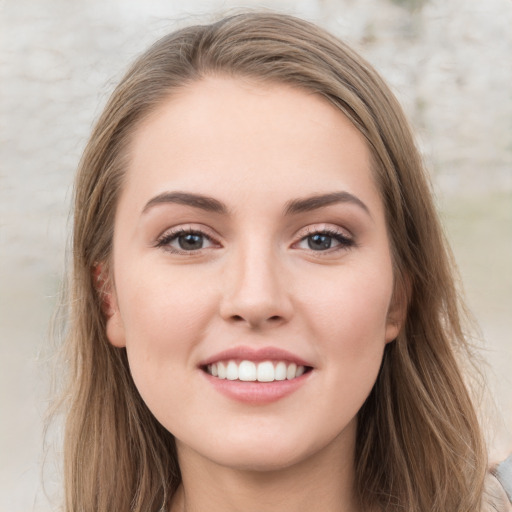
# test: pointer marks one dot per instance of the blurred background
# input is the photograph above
(448, 61)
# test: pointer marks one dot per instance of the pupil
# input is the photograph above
(191, 241)
(319, 242)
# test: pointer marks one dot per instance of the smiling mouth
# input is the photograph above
(249, 371)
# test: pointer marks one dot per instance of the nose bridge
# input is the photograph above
(254, 289)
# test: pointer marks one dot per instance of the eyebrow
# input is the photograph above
(206, 203)
(320, 201)
(292, 207)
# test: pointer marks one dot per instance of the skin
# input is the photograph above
(256, 281)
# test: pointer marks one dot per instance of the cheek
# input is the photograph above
(164, 319)
(163, 308)
(348, 321)
(353, 345)
(351, 307)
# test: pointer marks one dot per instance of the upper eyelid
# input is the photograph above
(188, 228)
(323, 228)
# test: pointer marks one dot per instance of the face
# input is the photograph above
(252, 273)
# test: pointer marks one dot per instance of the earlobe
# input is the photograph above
(109, 306)
(115, 330)
(397, 313)
(392, 330)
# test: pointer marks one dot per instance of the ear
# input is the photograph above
(397, 312)
(106, 292)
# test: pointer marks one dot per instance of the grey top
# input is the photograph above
(498, 488)
(503, 473)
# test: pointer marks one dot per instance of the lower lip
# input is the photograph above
(257, 393)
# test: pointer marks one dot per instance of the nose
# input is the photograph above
(255, 290)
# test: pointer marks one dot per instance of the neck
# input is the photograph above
(323, 481)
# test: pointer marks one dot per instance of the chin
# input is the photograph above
(266, 453)
(260, 460)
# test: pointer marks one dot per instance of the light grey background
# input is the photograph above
(449, 62)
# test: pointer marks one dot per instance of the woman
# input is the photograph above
(263, 310)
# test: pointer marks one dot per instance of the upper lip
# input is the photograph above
(255, 354)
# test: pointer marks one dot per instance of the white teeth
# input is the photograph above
(232, 371)
(290, 372)
(266, 372)
(280, 371)
(221, 371)
(248, 371)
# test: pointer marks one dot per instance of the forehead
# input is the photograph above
(260, 141)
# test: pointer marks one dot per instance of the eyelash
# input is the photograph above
(165, 240)
(169, 236)
(344, 241)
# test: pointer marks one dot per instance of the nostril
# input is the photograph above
(272, 319)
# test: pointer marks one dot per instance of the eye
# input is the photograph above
(325, 240)
(185, 241)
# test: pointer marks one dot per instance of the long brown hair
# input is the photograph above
(419, 446)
